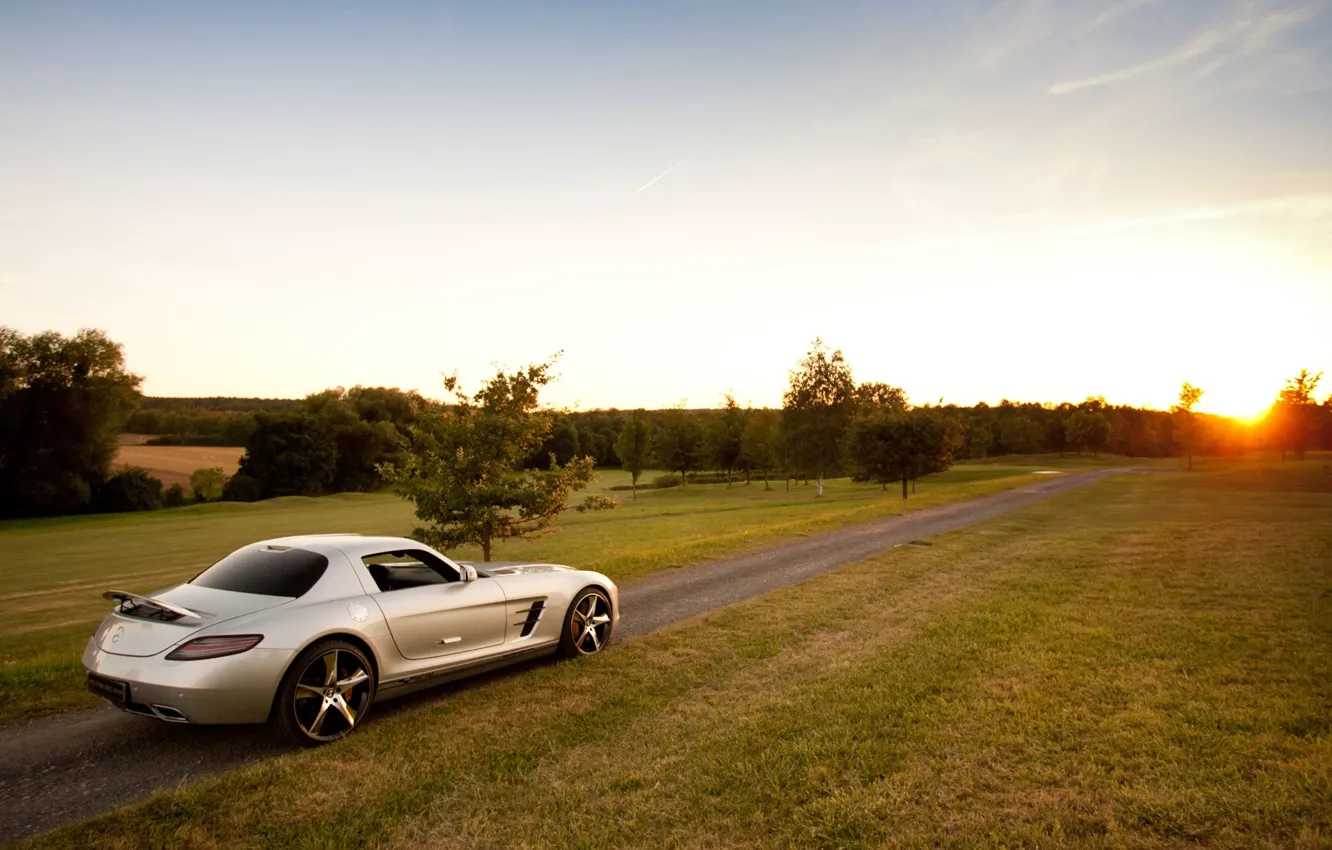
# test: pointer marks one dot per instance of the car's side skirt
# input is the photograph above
(404, 685)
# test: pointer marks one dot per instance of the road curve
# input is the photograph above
(65, 768)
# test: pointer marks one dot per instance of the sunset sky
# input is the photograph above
(1033, 199)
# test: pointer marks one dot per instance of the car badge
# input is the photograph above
(115, 636)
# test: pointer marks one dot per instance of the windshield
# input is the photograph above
(267, 571)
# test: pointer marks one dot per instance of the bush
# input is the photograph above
(661, 482)
(175, 496)
(131, 489)
(597, 503)
(709, 477)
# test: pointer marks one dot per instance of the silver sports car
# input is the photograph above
(307, 632)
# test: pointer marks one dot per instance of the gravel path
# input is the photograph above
(75, 765)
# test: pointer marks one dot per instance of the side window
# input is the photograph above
(406, 568)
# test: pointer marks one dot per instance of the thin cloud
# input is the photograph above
(1244, 36)
(1118, 10)
(661, 175)
(1303, 206)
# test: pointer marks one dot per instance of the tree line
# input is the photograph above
(65, 400)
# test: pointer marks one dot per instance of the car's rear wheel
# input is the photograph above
(325, 695)
(587, 623)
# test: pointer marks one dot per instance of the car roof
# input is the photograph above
(354, 545)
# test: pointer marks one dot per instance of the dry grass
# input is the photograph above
(173, 464)
(1146, 662)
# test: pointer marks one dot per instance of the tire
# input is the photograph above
(321, 701)
(587, 623)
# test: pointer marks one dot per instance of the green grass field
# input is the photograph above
(54, 570)
(1142, 662)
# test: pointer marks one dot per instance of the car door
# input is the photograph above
(431, 611)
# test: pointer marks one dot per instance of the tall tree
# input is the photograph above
(462, 470)
(1296, 413)
(633, 445)
(677, 442)
(817, 408)
(723, 437)
(63, 401)
(760, 444)
(1184, 420)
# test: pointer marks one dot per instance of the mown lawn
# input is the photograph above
(1145, 662)
(53, 571)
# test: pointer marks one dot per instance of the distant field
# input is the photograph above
(173, 464)
(55, 569)
(1142, 662)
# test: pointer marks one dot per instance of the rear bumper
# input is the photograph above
(234, 689)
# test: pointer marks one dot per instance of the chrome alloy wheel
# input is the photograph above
(331, 694)
(590, 622)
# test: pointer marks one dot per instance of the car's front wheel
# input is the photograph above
(325, 695)
(587, 623)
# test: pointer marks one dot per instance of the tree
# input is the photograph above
(1085, 430)
(332, 442)
(131, 489)
(760, 443)
(1182, 417)
(208, 483)
(462, 469)
(886, 445)
(633, 445)
(1019, 435)
(816, 409)
(292, 453)
(174, 497)
(677, 442)
(979, 439)
(880, 395)
(1295, 414)
(63, 401)
(723, 437)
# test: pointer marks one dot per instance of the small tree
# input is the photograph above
(760, 444)
(632, 446)
(1182, 417)
(816, 408)
(677, 443)
(208, 483)
(462, 468)
(723, 437)
(884, 446)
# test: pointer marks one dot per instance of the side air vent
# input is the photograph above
(533, 617)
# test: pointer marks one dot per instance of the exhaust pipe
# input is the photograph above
(170, 714)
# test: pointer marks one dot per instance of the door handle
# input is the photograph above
(448, 640)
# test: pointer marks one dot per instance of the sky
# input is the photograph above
(1029, 199)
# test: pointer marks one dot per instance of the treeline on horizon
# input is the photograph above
(64, 401)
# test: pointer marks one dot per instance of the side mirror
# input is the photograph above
(468, 572)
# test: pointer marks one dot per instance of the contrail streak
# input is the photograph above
(661, 175)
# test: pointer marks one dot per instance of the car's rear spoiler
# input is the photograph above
(134, 600)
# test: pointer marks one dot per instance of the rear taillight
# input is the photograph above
(213, 647)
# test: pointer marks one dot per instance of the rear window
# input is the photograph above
(265, 571)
